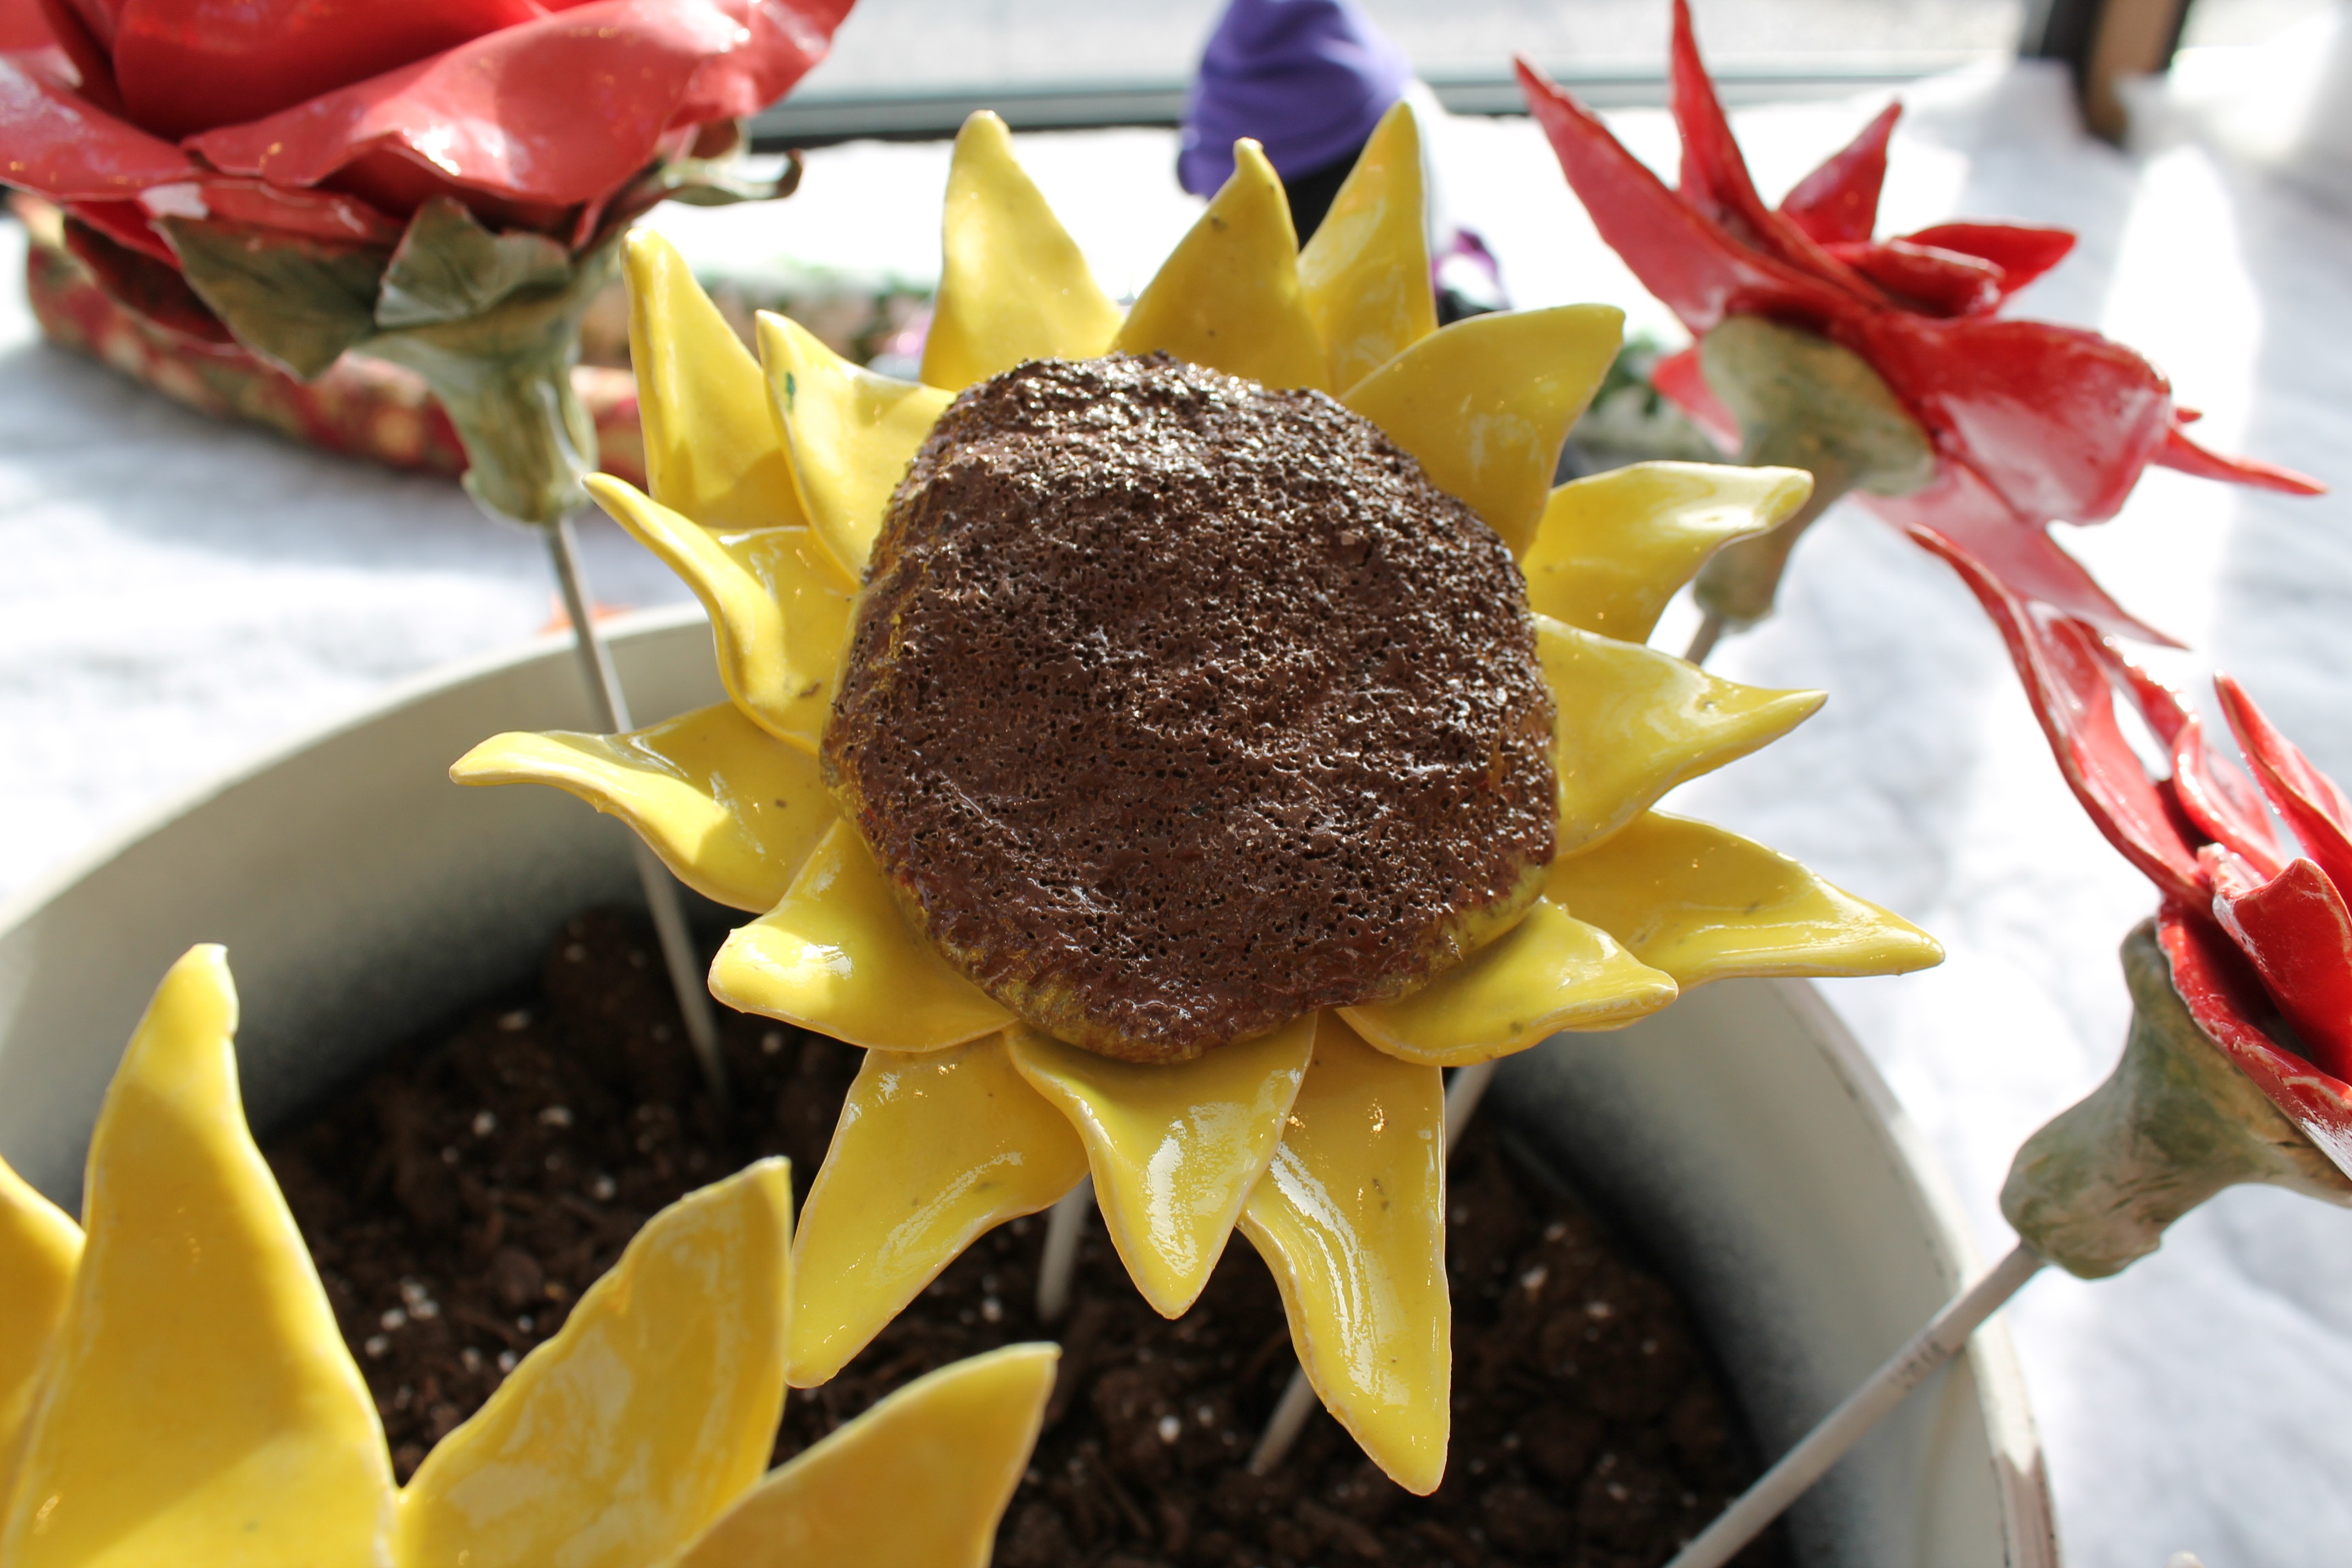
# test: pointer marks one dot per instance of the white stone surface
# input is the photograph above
(175, 593)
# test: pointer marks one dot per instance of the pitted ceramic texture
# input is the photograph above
(1177, 708)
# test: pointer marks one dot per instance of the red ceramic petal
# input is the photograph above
(2315, 809)
(560, 110)
(1923, 278)
(2057, 420)
(125, 223)
(24, 26)
(1682, 380)
(1961, 510)
(93, 72)
(2022, 251)
(1683, 257)
(2298, 934)
(99, 16)
(2227, 999)
(55, 144)
(2181, 452)
(1839, 201)
(2066, 677)
(2223, 801)
(317, 215)
(187, 66)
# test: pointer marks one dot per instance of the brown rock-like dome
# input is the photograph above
(1177, 708)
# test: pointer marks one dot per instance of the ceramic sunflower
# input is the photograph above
(1167, 739)
(173, 1388)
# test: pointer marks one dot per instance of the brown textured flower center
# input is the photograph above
(1177, 708)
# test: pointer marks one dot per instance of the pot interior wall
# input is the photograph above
(1740, 1140)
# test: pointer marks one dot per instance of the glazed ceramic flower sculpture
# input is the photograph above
(1878, 365)
(440, 183)
(173, 1389)
(997, 1077)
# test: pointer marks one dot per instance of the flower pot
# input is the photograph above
(1740, 1139)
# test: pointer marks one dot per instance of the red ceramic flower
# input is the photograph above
(337, 118)
(2256, 929)
(2030, 422)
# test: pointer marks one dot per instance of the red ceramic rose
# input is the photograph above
(437, 180)
(2018, 422)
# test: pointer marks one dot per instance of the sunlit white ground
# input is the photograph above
(175, 593)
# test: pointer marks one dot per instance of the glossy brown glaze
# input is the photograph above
(1177, 708)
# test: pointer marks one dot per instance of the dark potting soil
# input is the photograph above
(460, 1199)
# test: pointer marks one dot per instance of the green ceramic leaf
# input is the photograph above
(450, 267)
(296, 302)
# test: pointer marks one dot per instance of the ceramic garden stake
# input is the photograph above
(1879, 365)
(2238, 1066)
(1137, 848)
(173, 1388)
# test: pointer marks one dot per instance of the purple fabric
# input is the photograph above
(1310, 78)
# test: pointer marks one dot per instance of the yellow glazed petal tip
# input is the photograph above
(195, 1311)
(621, 1438)
(711, 451)
(1174, 1149)
(837, 956)
(1365, 273)
(1228, 296)
(1012, 283)
(1612, 549)
(921, 1479)
(1484, 405)
(40, 1249)
(931, 1150)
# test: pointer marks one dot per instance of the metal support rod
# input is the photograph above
(1827, 1442)
(1298, 1403)
(609, 705)
(1065, 1224)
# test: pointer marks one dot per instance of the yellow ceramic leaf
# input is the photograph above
(1228, 296)
(1365, 274)
(1350, 1218)
(621, 1440)
(1612, 549)
(38, 1248)
(1703, 904)
(1484, 405)
(711, 451)
(1634, 723)
(1012, 284)
(836, 956)
(728, 806)
(779, 607)
(198, 1406)
(1174, 1148)
(851, 433)
(931, 1152)
(1551, 972)
(918, 1481)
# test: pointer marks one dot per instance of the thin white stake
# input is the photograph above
(1827, 1442)
(609, 705)
(1065, 1224)
(1297, 1401)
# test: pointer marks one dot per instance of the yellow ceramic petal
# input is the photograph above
(1703, 904)
(1634, 723)
(711, 451)
(1612, 549)
(1551, 972)
(621, 1438)
(38, 1249)
(851, 433)
(1365, 274)
(779, 607)
(1350, 1218)
(1012, 284)
(728, 806)
(920, 1480)
(931, 1152)
(836, 956)
(1484, 405)
(198, 1405)
(1228, 296)
(1174, 1149)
